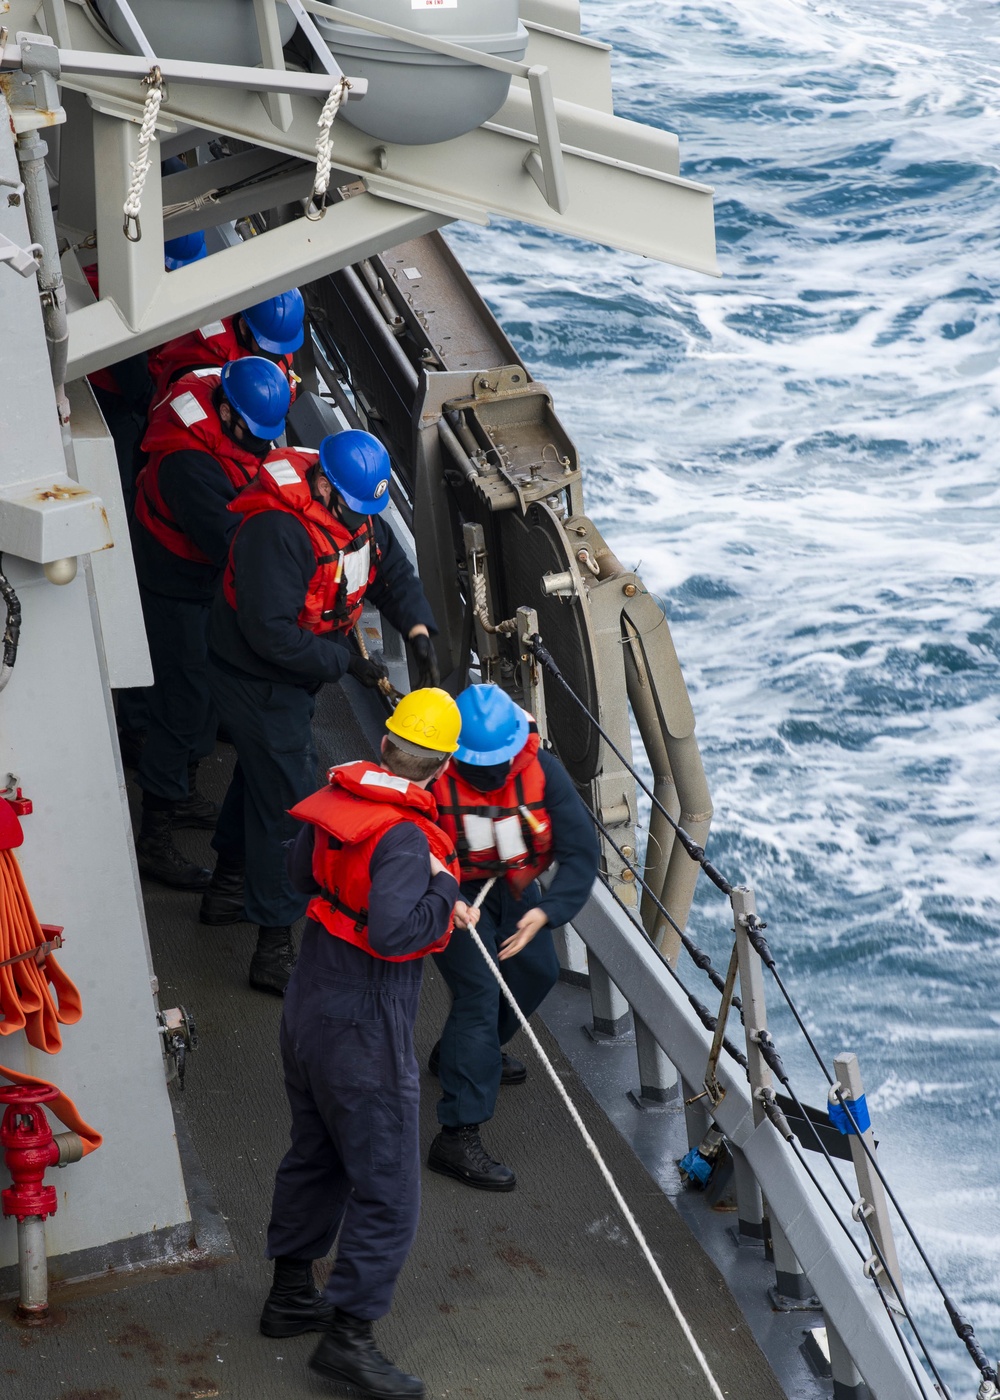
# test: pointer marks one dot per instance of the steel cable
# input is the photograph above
(696, 852)
(963, 1328)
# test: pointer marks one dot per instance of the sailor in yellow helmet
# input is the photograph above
(384, 887)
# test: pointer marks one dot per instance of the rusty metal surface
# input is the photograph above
(539, 1293)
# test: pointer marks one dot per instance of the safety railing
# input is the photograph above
(780, 1198)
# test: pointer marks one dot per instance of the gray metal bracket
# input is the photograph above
(22, 260)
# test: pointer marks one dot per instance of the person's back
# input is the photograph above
(382, 881)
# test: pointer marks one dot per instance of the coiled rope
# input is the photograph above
(36, 996)
(633, 1224)
(316, 206)
(142, 164)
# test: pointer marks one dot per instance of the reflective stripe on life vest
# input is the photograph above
(507, 831)
(346, 562)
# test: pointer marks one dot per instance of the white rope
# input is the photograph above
(142, 164)
(337, 95)
(595, 1153)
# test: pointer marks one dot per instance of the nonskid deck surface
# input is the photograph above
(541, 1292)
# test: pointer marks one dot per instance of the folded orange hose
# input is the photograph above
(35, 997)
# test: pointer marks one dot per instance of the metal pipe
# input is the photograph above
(361, 292)
(454, 448)
(33, 1270)
(660, 842)
(83, 63)
(31, 152)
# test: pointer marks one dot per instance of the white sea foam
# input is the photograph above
(812, 441)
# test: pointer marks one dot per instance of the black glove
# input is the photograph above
(423, 653)
(369, 673)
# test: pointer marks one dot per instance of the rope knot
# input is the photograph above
(337, 96)
(142, 164)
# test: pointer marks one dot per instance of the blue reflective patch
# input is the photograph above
(859, 1110)
(693, 1165)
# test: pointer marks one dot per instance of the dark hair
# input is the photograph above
(408, 765)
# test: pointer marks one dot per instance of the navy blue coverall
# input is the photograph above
(176, 596)
(480, 1020)
(264, 671)
(352, 1081)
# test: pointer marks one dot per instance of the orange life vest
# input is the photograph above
(507, 831)
(351, 814)
(346, 563)
(186, 421)
(209, 346)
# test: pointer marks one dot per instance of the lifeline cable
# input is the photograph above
(593, 1148)
(696, 852)
(963, 1328)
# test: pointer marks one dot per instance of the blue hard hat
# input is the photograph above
(258, 391)
(189, 248)
(494, 729)
(358, 466)
(276, 324)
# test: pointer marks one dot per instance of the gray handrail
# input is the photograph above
(549, 173)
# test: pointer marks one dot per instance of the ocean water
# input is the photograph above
(802, 459)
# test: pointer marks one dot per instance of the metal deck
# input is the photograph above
(540, 1292)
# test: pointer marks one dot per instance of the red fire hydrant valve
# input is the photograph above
(28, 1148)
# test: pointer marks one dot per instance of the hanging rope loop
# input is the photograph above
(337, 96)
(142, 164)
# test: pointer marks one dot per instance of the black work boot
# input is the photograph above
(348, 1354)
(513, 1071)
(459, 1152)
(294, 1304)
(195, 810)
(222, 902)
(273, 960)
(158, 857)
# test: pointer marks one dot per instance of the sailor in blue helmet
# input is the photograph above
(273, 328)
(188, 248)
(205, 442)
(511, 810)
(312, 544)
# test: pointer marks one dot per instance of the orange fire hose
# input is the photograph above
(36, 996)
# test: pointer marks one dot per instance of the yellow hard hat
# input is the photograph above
(428, 718)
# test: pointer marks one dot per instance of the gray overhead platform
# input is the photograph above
(540, 1292)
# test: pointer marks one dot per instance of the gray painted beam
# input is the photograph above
(217, 286)
(621, 177)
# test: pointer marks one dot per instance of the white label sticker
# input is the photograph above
(213, 328)
(510, 842)
(283, 474)
(478, 832)
(412, 273)
(356, 568)
(376, 778)
(188, 409)
(433, 4)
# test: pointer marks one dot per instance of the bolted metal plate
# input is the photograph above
(530, 546)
